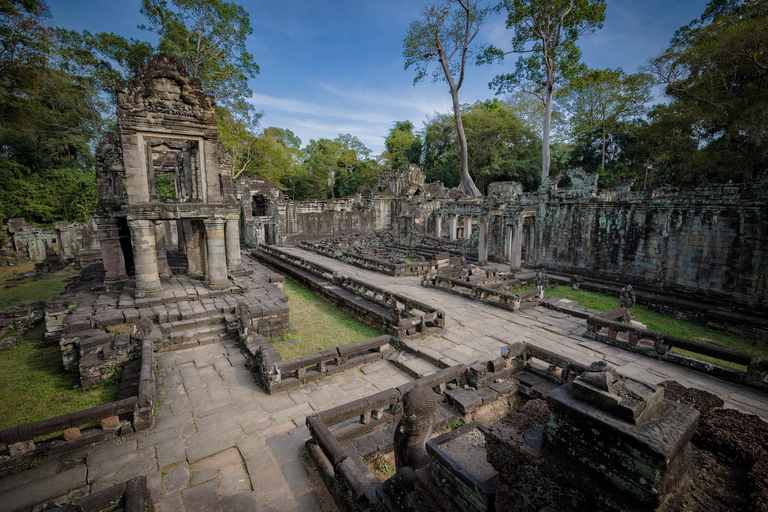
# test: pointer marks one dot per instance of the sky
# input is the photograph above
(335, 66)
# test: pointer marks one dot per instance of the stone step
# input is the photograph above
(413, 365)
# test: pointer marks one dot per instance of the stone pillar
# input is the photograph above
(145, 258)
(438, 226)
(515, 257)
(217, 257)
(181, 243)
(160, 246)
(193, 241)
(111, 253)
(232, 234)
(64, 238)
(467, 226)
(482, 240)
(452, 225)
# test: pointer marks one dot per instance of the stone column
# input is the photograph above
(64, 238)
(160, 246)
(515, 257)
(482, 240)
(193, 241)
(111, 253)
(217, 257)
(467, 226)
(232, 235)
(452, 225)
(438, 226)
(145, 258)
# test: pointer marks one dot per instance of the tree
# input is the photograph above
(402, 145)
(499, 146)
(445, 33)
(547, 30)
(714, 72)
(208, 36)
(600, 99)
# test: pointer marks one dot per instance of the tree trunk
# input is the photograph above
(467, 185)
(545, 134)
(602, 163)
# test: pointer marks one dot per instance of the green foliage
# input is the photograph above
(402, 145)
(500, 147)
(208, 36)
(47, 196)
(714, 72)
(545, 35)
(600, 99)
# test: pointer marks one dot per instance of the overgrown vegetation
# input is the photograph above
(319, 325)
(34, 385)
(664, 323)
(33, 289)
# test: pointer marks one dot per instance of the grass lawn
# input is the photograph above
(34, 385)
(319, 324)
(30, 289)
(666, 324)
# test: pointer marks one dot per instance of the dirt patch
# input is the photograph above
(701, 400)
(468, 450)
(733, 435)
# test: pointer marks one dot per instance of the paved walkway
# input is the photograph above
(221, 443)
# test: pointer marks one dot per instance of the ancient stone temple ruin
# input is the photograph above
(482, 391)
(165, 181)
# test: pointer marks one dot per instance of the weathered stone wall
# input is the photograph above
(68, 240)
(711, 239)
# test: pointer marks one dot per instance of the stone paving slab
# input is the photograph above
(221, 443)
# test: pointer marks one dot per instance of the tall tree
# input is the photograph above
(548, 31)
(715, 72)
(600, 99)
(500, 147)
(208, 36)
(445, 33)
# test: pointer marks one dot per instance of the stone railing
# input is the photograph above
(385, 267)
(605, 327)
(400, 315)
(494, 293)
(131, 414)
(542, 362)
(276, 375)
(372, 412)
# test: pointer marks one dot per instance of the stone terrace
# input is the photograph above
(221, 443)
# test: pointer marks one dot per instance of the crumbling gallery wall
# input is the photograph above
(711, 239)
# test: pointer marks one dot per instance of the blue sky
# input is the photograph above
(331, 67)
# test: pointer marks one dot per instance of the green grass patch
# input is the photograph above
(667, 324)
(319, 324)
(35, 386)
(33, 289)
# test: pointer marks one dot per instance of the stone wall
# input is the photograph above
(711, 239)
(68, 240)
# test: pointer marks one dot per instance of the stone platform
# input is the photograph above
(221, 443)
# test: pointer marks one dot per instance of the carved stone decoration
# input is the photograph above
(165, 88)
(627, 298)
(542, 279)
(244, 315)
(394, 309)
(143, 329)
(415, 428)
(576, 281)
(109, 167)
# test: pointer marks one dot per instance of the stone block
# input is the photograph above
(70, 434)
(110, 422)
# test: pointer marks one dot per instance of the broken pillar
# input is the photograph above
(482, 241)
(160, 246)
(64, 239)
(438, 226)
(232, 235)
(111, 253)
(216, 257)
(467, 227)
(452, 221)
(145, 258)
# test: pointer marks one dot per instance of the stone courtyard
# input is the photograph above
(187, 300)
(221, 443)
